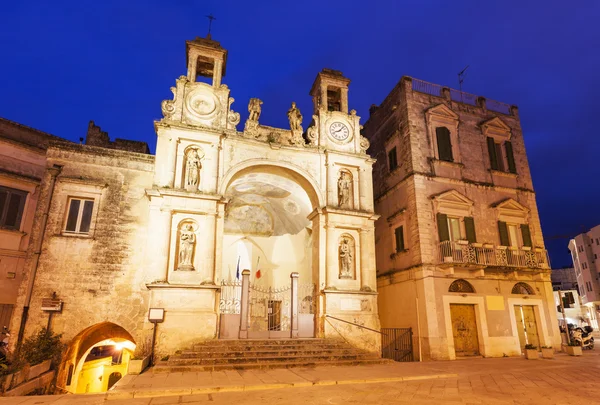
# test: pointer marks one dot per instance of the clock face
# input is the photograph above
(339, 131)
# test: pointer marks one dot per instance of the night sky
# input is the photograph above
(67, 62)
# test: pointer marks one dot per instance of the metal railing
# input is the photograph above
(352, 323)
(490, 255)
(396, 344)
(433, 89)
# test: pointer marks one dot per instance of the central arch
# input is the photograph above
(267, 230)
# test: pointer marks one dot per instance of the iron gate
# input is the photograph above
(396, 344)
(269, 311)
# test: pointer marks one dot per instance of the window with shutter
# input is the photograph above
(492, 152)
(470, 229)
(503, 231)
(399, 239)
(392, 159)
(526, 234)
(510, 159)
(12, 203)
(444, 145)
(442, 223)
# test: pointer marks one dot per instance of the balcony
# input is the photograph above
(463, 252)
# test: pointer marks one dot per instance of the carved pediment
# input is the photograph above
(495, 127)
(510, 209)
(452, 202)
(441, 112)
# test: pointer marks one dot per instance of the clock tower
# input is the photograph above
(337, 129)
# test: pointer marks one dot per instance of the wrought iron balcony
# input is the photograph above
(463, 252)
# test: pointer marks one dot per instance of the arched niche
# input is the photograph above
(186, 239)
(345, 189)
(347, 257)
(192, 168)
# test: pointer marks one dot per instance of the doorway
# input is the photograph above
(464, 330)
(527, 325)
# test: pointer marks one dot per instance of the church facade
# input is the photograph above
(260, 233)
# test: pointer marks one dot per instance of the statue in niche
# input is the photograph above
(346, 254)
(254, 108)
(345, 190)
(295, 118)
(187, 241)
(192, 175)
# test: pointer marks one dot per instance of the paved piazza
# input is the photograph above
(563, 380)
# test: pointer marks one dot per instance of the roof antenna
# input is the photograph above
(461, 78)
(211, 18)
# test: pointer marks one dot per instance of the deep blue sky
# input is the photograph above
(67, 62)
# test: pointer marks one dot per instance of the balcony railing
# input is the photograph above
(464, 252)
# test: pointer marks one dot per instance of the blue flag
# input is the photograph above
(237, 272)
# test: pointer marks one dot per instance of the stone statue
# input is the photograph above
(193, 171)
(346, 259)
(187, 240)
(254, 108)
(295, 118)
(344, 190)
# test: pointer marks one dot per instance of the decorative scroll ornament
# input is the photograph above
(168, 106)
(364, 144)
(233, 118)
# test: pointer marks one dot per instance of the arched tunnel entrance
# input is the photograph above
(96, 359)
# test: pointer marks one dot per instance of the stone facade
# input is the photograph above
(444, 205)
(127, 231)
(22, 165)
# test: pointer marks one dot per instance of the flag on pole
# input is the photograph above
(258, 268)
(237, 272)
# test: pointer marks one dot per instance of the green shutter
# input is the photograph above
(492, 151)
(510, 157)
(442, 223)
(526, 235)
(470, 229)
(399, 239)
(503, 230)
(444, 144)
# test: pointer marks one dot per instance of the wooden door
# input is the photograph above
(464, 329)
(527, 325)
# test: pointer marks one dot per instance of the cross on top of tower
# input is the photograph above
(211, 18)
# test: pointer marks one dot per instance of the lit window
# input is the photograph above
(11, 207)
(454, 228)
(501, 155)
(79, 217)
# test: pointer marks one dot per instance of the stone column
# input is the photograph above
(365, 188)
(158, 243)
(294, 307)
(344, 100)
(192, 63)
(217, 72)
(171, 163)
(368, 277)
(332, 252)
(219, 226)
(244, 304)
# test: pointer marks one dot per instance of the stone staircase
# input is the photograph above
(265, 354)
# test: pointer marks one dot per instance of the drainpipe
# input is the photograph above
(54, 171)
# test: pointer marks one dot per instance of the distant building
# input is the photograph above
(575, 313)
(22, 167)
(585, 249)
(564, 279)
(460, 252)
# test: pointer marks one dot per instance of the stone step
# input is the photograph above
(265, 353)
(162, 368)
(241, 347)
(262, 342)
(269, 359)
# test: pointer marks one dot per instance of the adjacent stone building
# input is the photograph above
(564, 278)
(22, 165)
(260, 233)
(460, 253)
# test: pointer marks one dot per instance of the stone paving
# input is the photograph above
(563, 380)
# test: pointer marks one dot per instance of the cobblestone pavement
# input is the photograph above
(563, 380)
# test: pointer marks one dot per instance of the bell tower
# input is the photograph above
(205, 58)
(330, 91)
